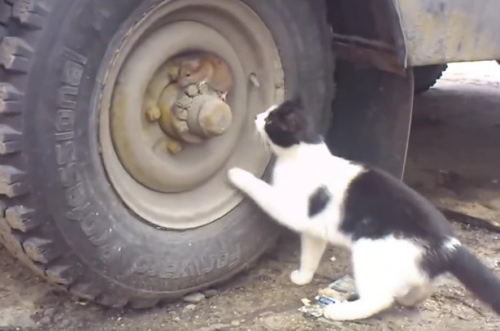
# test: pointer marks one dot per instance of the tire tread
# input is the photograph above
(20, 232)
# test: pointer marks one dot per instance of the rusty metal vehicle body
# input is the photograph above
(119, 120)
(397, 35)
(435, 33)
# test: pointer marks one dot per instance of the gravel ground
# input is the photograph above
(453, 160)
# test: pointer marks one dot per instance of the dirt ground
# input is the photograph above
(453, 159)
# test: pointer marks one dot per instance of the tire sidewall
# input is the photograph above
(70, 184)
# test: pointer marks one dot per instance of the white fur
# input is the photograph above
(384, 271)
(312, 249)
(452, 244)
(310, 166)
(298, 172)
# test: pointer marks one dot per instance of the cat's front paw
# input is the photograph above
(300, 277)
(343, 311)
(239, 177)
(334, 312)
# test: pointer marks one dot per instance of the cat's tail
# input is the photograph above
(476, 277)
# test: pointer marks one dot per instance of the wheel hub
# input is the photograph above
(188, 113)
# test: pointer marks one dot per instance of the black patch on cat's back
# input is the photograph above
(377, 205)
(318, 201)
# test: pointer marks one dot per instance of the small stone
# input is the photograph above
(265, 313)
(44, 320)
(235, 323)
(189, 308)
(305, 301)
(210, 293)
(194, 297)
(49, 312)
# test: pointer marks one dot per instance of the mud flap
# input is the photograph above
(372, 116)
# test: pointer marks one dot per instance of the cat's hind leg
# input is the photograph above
(384, 269)
(416, 295)
(311, 251)
(374, 289)
(374, 302)
(375, 293)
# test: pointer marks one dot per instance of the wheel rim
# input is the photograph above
(166, 148)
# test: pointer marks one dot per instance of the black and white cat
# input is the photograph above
(399, 241)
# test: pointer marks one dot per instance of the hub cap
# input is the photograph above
(178, 106)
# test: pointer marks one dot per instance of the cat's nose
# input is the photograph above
(256, 116)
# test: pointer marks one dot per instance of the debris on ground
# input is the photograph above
(210, 293)
(194, 297)
(341, 290)
(189, 308)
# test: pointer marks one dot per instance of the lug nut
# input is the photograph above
(192, 90)
(153, 113)
(173, 72)
(181, 126)
(173, 147)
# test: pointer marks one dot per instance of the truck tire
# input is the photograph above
(64, 213)
(426, 76)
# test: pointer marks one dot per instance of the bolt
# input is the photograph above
(254, 80)
(153, 113)
(184, 102)
(173, 147)
(192, 90)
(181, 113)
(181, 126)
